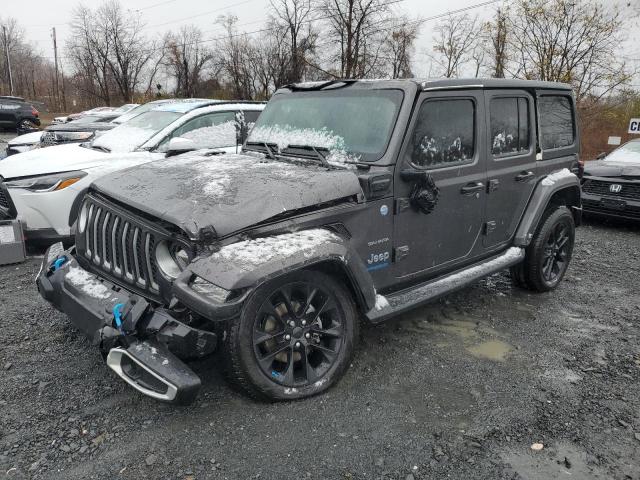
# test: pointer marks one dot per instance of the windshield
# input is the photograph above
(352, 124)
(129, 136)
(134, 112)
(629, 152)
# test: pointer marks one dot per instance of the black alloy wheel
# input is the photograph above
(556, 253)
(298, 334)
(294, 338)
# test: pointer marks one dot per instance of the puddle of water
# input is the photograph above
(495, 350)
(476, 338)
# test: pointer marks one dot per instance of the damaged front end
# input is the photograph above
(143, 343)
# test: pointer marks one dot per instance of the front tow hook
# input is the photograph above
(153, 370)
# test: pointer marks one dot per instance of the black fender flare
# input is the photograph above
(560, 187)
(332, 255)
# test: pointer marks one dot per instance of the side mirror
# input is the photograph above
(178, 145)
(601, 156)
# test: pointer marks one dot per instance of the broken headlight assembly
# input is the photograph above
(209, 290)
(47, 183)
(172, 258)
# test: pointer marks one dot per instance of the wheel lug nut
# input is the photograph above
(297, 344)
(303, 322)
(307, 335)
(287, 337)
(292, 323)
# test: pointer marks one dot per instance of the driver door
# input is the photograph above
(446, 145)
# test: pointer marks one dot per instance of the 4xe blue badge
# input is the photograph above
(384, 210)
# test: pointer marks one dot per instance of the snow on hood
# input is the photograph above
(59, 158)
(124, 138)
(285, 136)
(26, 139)
(228, 192)
(608, 168)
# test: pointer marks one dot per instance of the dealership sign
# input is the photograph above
(634, 125)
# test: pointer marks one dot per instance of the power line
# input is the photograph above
(154, 5)
(199, 14)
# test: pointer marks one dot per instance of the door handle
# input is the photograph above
(472, 188)
(524, 176)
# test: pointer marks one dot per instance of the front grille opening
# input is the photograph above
(121, 246)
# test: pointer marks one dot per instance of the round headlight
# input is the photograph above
(82, 218)
(172, 258)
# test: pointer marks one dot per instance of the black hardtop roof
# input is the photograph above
(437, 84)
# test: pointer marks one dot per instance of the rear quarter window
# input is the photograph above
(557, 128)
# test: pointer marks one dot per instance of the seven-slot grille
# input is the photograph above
(601, 187)
(119, 245)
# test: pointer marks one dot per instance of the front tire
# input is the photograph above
(294, 338)
(549, 253)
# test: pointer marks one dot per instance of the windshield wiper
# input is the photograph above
(319, 151)
(270, 155)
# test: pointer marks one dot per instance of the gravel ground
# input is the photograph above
(460, 389)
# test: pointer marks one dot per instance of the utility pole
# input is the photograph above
(55, 56)
(6, 52)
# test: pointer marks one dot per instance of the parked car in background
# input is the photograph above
(98, 111)
(16, 113)
(611, 185)
(352, 200)
(46, 185)
(76, 131)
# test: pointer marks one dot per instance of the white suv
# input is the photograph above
(45, 186)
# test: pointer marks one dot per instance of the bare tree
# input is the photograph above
(186, 59)
(291, 26)
(399, 45)
(561, 41)
(130, 51)
(237, 60)
(108, 51)
(455, 41)
(497, 31)
(354, 25)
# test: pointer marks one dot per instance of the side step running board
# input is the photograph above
(409, 298)
(153, 370)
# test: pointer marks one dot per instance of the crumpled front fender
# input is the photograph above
(245, 265)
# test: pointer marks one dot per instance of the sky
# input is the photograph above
(39, 16)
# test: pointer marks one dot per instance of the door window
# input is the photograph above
(556, 121)
(215, 130)
(510, 132)
(444, 134)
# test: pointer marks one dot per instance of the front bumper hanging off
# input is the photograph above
(144, 344)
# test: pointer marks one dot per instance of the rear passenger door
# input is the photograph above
(511, 169)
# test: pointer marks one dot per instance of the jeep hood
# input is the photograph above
(42, 161)
(226, 192)
(608, 168)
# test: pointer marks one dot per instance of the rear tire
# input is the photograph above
(549, 253)
(295, 337)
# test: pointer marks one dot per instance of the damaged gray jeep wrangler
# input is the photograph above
(350, 200)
